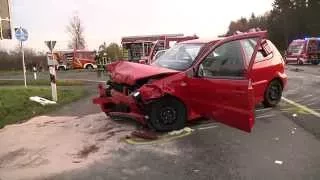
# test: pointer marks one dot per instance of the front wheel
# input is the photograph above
(167, 114)
(273, 94)
(89, 67)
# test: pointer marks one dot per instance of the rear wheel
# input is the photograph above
(61, 68)
(89, 66)
(315, 62)
(167, 114)
(273, 94)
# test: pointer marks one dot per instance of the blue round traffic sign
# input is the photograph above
(21, 34)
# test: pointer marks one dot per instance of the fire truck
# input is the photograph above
(75, 59)
(144, 49)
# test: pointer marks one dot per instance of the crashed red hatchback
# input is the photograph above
(221, 79)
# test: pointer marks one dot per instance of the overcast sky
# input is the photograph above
(109, 20)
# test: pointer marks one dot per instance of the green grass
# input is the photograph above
(41, 82)
(15, 105)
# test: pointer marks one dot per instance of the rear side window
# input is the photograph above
(248, 47)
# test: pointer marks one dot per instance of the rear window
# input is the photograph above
(295, 47)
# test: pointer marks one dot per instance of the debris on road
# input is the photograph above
(177, 132)
(87, 150)
(278, 162)
(145, 134)
(196, 170)
(41, 100)
(277, 139)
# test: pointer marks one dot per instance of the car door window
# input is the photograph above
(248, 46)
(226, 60)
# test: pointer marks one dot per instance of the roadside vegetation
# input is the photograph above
(16, 107)
(288, 20)
(41, 82)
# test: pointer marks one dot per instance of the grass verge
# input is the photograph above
(15, 105)
(40, 82)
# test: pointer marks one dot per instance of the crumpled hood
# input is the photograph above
(128, 72)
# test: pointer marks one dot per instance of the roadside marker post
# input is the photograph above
(34, 73)
(52, 70)
(22, 35)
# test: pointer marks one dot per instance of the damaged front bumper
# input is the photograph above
(119, 104)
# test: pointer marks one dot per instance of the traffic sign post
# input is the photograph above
(22, 35)
(52, 71)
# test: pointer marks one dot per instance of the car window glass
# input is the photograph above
(249, 47)
(226, 60)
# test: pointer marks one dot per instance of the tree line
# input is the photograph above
(12, 60)
(288, 20)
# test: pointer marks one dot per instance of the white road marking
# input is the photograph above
(305, 108)
(88, 80)
(310, 95)
(209, 127)
(264, 109)
(265, 116)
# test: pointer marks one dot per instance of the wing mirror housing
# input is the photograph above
(264, 48)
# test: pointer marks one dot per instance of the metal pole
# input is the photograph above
(143, 52)
(23, 65)
(1, 35)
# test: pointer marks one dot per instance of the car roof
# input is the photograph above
(202, 41)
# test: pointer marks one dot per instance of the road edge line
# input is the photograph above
(305, 108)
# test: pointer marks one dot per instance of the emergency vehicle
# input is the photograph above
(142, 49)
(301, 51)
(74, 59)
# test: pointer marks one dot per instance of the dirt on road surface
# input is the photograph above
(47, 145)
(74, 137)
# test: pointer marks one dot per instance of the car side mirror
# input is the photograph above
(265, 48)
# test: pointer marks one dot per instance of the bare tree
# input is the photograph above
(75, 30)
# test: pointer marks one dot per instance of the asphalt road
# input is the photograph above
(283, 145)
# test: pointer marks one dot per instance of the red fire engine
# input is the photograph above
(75, 59)
(143, 49)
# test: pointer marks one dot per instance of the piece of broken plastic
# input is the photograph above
(41, 100)
(278, 162)
(177, 132)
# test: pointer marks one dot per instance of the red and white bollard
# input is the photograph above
(52, 71)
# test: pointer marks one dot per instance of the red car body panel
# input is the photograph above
(127, 73)
(230, 101)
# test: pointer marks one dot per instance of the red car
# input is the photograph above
(221, 79)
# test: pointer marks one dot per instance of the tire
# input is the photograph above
(61, 68)
(273, 94)
(300, 62)
(315, 62)
(167, 114)
(89, 67)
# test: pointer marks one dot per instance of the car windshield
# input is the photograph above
(179, 57)
(295, 48)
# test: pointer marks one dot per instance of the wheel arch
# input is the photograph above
(88, 64)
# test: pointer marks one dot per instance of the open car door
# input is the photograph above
(222, 89)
